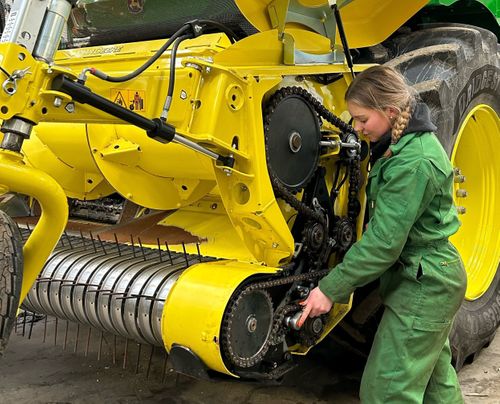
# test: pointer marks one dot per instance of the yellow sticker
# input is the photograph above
(133, 100)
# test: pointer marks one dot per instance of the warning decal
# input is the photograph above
(130, 99)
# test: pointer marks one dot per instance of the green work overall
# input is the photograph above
(422, 280)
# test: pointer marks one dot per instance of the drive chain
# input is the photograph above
(278, 331)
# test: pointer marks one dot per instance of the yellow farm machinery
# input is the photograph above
(183, 173)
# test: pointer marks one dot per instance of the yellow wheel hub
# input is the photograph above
(476, 158)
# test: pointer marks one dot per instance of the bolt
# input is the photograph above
(461, 210)
(213, 206)
(457, 171)
(70, 107)
(227, 171)
(461, 193)
(275, 245)
(251, 323)
(57, 102)
(183, 95)
(295, 141)
(459, 178)
(26, 35)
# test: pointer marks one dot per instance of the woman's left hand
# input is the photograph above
(317, 303)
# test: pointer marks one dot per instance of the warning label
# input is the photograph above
(134, 100)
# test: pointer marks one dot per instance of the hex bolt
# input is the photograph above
(459, 178)
(251, 323)
(461, 193)
(461, 210)
(70, 107)
(457, 171)
(57, 102)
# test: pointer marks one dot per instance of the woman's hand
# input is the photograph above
(317, 303)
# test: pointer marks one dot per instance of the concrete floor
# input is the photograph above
(66, 370)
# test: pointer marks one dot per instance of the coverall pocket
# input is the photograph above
(430, 326)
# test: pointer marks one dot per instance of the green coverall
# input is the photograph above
(422, 280)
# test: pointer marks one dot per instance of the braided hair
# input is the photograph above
(380, 88)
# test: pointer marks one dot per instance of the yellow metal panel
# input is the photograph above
(51, 148)
(193, 312)
(208, 220)
(366, 22)
(151, 174)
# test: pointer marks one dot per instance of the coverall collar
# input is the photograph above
(420, 121)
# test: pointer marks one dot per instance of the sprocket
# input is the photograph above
(292, 135)
(247, 328)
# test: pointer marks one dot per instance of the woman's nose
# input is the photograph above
(358, 126)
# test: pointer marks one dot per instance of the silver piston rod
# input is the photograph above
(115, 288)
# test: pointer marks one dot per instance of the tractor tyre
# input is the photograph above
(11, 267)
(456, 70)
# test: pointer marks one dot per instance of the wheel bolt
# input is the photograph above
(461, 193)
(461, 210)
(459, 178)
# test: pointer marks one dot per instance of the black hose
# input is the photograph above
(171, 82)
(148, 63)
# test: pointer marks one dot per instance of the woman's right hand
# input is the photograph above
(317, 303)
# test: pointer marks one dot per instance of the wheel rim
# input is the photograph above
(476, 156)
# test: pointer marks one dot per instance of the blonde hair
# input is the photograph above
(382, 87)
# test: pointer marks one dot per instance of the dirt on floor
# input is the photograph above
(75, 365)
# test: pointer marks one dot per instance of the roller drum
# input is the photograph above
(114, 288)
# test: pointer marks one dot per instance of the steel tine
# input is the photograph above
(169, 255)
(20, 231)
(142, 249)
(102, 245)
(77, 336)
(31, 325)
(69, 240)
(124, 365)
(150, 360)
(100, 347)
(185, 254)
(117, 244)
(164, 373)
(45, 328)
(199, 253)
(88, 342)
(83, 239)
(132, 243)
(66, 335)
(93, 241)
(24, 322)
(159, 249)
(55, 333)
(114, 349)
(139, 348)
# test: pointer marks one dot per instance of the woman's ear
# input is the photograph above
(391, 113)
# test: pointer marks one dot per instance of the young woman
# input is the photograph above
(422, 279)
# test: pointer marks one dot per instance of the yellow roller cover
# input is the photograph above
(366, 22)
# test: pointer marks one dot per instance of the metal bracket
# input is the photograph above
(320, 19)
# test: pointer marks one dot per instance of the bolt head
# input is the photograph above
(70, 107)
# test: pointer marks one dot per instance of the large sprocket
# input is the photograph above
(293, 137)
(247, 328)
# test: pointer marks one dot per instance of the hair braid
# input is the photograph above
(401, 122)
